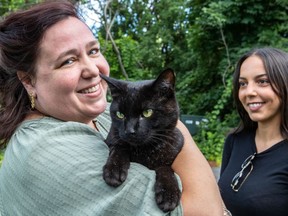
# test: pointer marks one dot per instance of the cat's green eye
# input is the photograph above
(120, 115)
(147, 113)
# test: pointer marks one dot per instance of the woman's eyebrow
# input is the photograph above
(74, 51)
(65, 53)
(257, 77)
(92, 43)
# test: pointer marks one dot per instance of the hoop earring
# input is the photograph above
(32, 101)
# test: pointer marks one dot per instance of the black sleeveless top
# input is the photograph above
(265, 191)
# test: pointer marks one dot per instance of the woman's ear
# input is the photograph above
(26, 81)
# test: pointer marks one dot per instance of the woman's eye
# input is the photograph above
(94, 51)
(241, 83)
(147, 113)
(120, 115)
(68, 62)
(263, 82)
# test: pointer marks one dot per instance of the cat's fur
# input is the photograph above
(153, 141)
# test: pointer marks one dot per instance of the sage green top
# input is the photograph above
(54, 168)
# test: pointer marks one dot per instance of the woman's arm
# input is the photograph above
(200, 196)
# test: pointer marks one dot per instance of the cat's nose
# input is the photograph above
(131, 127)
(130, 131)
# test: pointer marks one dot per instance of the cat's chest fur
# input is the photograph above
(154, 155)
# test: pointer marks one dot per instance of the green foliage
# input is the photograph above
(1, 156)
(156, 26)
(212, 135)
(210, 141)
(7, 6)
(130, 53)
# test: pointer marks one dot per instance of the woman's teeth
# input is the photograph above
(90, 90)
(255, 105)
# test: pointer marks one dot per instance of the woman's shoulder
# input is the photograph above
(48, 139)
(240, 141)
(51, 127)
(240, 135)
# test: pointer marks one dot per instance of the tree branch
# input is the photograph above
(108, 27)
(227, 53)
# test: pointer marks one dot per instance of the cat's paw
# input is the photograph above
(167, 197)
(115, 174)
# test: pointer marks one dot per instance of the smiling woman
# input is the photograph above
(60, 69)
(254, 177)
(256, 94)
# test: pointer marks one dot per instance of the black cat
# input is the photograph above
(144, 115)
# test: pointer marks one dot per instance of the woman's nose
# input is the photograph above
(90, 68)
(251, 90)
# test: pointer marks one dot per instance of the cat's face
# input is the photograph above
(143, 110)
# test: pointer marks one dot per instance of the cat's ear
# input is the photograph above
(165, 81)
(116, 86)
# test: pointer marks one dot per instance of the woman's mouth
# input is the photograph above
(90, 90)
(255, 106)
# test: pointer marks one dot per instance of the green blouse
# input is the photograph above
(54, 168)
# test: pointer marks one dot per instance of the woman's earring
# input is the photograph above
(32, 101)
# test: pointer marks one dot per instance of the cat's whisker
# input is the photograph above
(156, 138)
(167, 136)
(164, 130)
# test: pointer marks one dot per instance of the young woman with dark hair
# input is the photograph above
(254, 172)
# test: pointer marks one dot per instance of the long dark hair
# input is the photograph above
(276, 66)
(20, 36)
